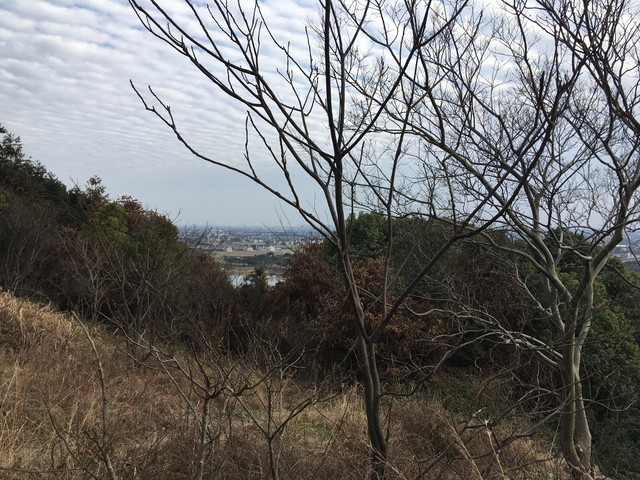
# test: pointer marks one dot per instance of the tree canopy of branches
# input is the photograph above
(523, 120)
(567, 143)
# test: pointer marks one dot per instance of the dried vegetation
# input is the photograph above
(78, 402)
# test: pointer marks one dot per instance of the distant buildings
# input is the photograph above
(246, 239)
(625, 252)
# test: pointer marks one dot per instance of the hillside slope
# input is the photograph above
(170, 415)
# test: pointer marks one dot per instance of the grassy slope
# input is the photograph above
(52, 418)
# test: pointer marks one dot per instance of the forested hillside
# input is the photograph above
(126, 353)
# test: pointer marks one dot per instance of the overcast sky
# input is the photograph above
(65, 67)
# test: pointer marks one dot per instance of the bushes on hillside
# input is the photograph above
(112, 261)
(115, 262)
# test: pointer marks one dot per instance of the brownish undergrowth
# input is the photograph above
(78, 402)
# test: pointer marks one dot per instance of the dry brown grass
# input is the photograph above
(51, 418)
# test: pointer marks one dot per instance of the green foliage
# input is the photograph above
(414, 239)
(611, 367)
(612, 358)
(368, 233)
(110, 220)
(262, 261)
(623, 289)
(32, 202)
(612, 371)
(22, 177)
(573, 244)
(108, 260)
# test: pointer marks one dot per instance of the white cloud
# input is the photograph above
(65, 67)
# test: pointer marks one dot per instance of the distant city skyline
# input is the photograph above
(65, 67)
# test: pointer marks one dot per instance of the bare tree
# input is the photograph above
(541, 112)
(212, 385)
(351, 78)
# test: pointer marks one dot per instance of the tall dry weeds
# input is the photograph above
(58, 420)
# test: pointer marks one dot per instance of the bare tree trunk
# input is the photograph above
(367, 363)
(582, 433)
(575, 435)
(204, 426)
(371, 384)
